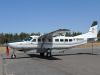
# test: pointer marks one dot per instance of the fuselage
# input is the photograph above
(53, 41)
(57, 42)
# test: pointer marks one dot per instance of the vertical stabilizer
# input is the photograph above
(92, 33)
(94, 28)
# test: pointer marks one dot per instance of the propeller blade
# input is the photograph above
(7, 48)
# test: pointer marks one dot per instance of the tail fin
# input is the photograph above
(94, 28)
(92, 34)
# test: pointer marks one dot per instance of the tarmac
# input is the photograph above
(76, 61)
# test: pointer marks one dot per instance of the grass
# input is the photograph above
(2, 49)
(88, 45)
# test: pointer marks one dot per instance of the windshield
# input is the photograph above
(28, 39)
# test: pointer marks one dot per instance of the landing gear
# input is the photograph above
(13, 56)
(42, 54)
(49, 54)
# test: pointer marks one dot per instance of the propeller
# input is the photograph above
(7, 48)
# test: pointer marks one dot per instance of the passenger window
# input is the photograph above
(50, 40)
(70, 40)
(66, 40)
(56, 40)
(34, 40)
(61, 40)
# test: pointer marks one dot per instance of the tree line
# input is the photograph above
(99, 35)
(12, 37)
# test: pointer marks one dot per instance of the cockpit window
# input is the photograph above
(28, 39)
(34, 40)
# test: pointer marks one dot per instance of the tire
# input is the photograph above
(49, 54)
(13, 56)
(42, 54)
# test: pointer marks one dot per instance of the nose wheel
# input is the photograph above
(13, 56)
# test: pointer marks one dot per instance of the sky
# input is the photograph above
(47, 15)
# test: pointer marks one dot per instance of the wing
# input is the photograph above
(55, 33)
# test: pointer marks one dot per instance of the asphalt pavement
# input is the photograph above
(76, 61)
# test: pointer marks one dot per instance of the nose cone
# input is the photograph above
(11, 45)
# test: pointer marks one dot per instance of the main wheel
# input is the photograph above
(49, 54)
(13, 56)
(42, 54)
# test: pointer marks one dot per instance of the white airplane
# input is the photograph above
(45, 44)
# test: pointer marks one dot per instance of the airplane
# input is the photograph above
(56, 40)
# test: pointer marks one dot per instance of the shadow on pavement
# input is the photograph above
(44, 57)
(76, 54)
(34, 56)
